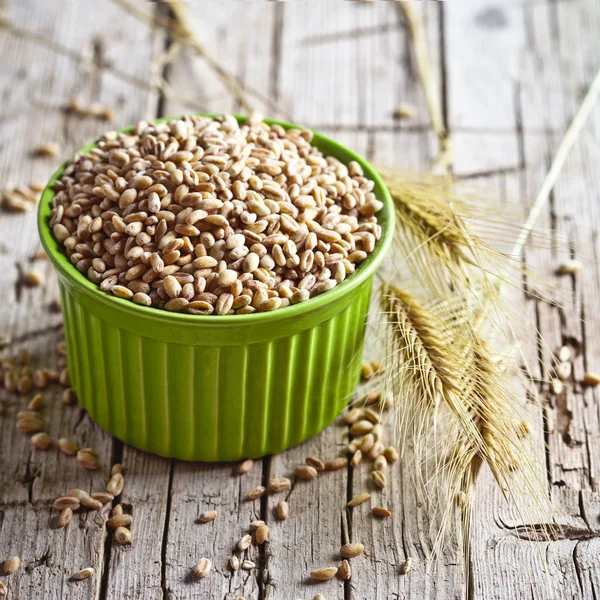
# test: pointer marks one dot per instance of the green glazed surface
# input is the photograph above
(216, 388)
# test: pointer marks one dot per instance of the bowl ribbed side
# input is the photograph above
(211, 402)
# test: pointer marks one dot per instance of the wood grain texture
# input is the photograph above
(37, 86)
(511, 76)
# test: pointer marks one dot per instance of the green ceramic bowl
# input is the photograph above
(214, 388)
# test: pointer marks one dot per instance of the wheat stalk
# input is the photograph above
(443, 160)
(454, 412)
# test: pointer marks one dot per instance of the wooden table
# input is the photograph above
(510, 76)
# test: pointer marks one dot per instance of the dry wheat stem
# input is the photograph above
(54, 46)
(432, 96)
(186, 36)
(560, 158)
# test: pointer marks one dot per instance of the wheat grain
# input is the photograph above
(208, 516)
(352, 550)
(257, 492)
(324, 574)
(381, 512)
(282, 510)
(306, 472)
(359, 499)
(279, 484)
(119, 520)
(41, 441)
(570, 267)
(345, 572)
(335, 464)
(244, 467)
(88, 460)
(83, 574)
(261, 534)
(122, 535)
(11, 565)
(115, 484)
(591, 379)
(228, 234)
(67, 447)
(405, 568)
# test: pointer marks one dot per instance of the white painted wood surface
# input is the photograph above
(511, 75)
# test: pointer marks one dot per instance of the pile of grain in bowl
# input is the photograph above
(208, 216)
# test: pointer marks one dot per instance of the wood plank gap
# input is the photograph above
(165, 537)
(262, 571)
(117, 457)
(345, 522)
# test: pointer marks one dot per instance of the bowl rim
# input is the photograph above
(366, 269)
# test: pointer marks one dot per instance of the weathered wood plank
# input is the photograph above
(246, 47)
(195, 489)
(37, 85)
(546, 74)
(311, 537)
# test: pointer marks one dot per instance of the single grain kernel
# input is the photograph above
(563, 371)
(381, 512)
(356, 458)
(41, 441)
(67, 502)
(33, 279)
(122, 535)
(379, 479)
(67, 446)
(335, 464)
(361, 427)
(359, 499)
(83, 574)
(11, 565)
(591, 379)
(36, 403)
(570, 267)
(352, 550)
(306, 472)
(352, 416)
(282, 510)
(366, 371)
(244, 467)
(405, 568)
(391, 454)
(262, 534)
(64, 517)
(257, 492)
(345, 572)
(103, 497)
(209, 515)
(115, 484)
(122, 520)
(557, 386)
(245, 542)
(311, 461)
(324, 574)
(380, 463)
(279, 484)
(87, 459)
